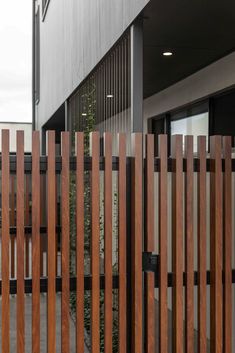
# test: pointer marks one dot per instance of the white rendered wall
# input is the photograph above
(13, 127)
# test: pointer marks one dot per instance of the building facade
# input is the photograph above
(134, 65)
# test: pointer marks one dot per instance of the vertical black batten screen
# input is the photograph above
(102, 101)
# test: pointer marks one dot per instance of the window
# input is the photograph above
(191, 120)
(195, 125)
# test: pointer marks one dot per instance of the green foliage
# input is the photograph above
(88, 125)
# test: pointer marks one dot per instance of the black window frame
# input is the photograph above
(178, 114)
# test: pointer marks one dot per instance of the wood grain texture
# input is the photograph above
(51, 253)
(65, 248)
(80, 241)
(136, 240)
(12, 223)
(95, 244)
(177, 242)
(163, 267)
(201, 225)
(5, 332)
(122, 266)
(36, 242)
(227, 238)
(216, 206)
(43, 217)
(149, 244)
(20, 242)
(189, 245)
(27, 223)
(108, 228)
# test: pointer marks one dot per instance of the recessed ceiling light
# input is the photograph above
(84, 114)
(167, 53)
(109, 95)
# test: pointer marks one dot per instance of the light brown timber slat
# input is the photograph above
(80, 241)
(5, 339)
(51, 224)
(27, 223)
(12, 222)
(163, 270)
(36, 242)
(137, 233)
(95, 244)
(216, 245)
(177, 242)
(227, 323)
(201, 225)
(20, 242)
(189, 245)
(122, 324)
(149, 244)
(65, 317)
(108, 317)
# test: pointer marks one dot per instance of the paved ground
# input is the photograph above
(28, 320)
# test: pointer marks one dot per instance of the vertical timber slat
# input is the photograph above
(177, 242)
(80, 242)
(51, 224)
(201, 202)
(95, 245)
(108, 319)
(122, 244)
(20, 242)
(216, 245)
(136, 244)
(149, 243)
(12, 222)
(27, 223)
(35, 243)
(189, 248)
(65, 217)
(163, 309)
(227, 320)
(5, 340)
(42, 218)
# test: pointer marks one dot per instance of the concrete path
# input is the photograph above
(28, 320)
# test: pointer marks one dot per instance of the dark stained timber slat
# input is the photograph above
(122, 299)
(35, 243)
(65, 217)
(80, 241)
(189, 245)
(51, 221)
(149, 243)
(201, 225)
(5, 332)
(163, 270)
(108, 317)
(20, 242)
(177, 242)
(216, 245)
(227, 320)
(95, 245)
(136, 239)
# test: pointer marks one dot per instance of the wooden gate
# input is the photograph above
(78, 224)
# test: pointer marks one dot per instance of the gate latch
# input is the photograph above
(150, 262)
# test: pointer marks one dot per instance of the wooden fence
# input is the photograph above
(174, 224)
